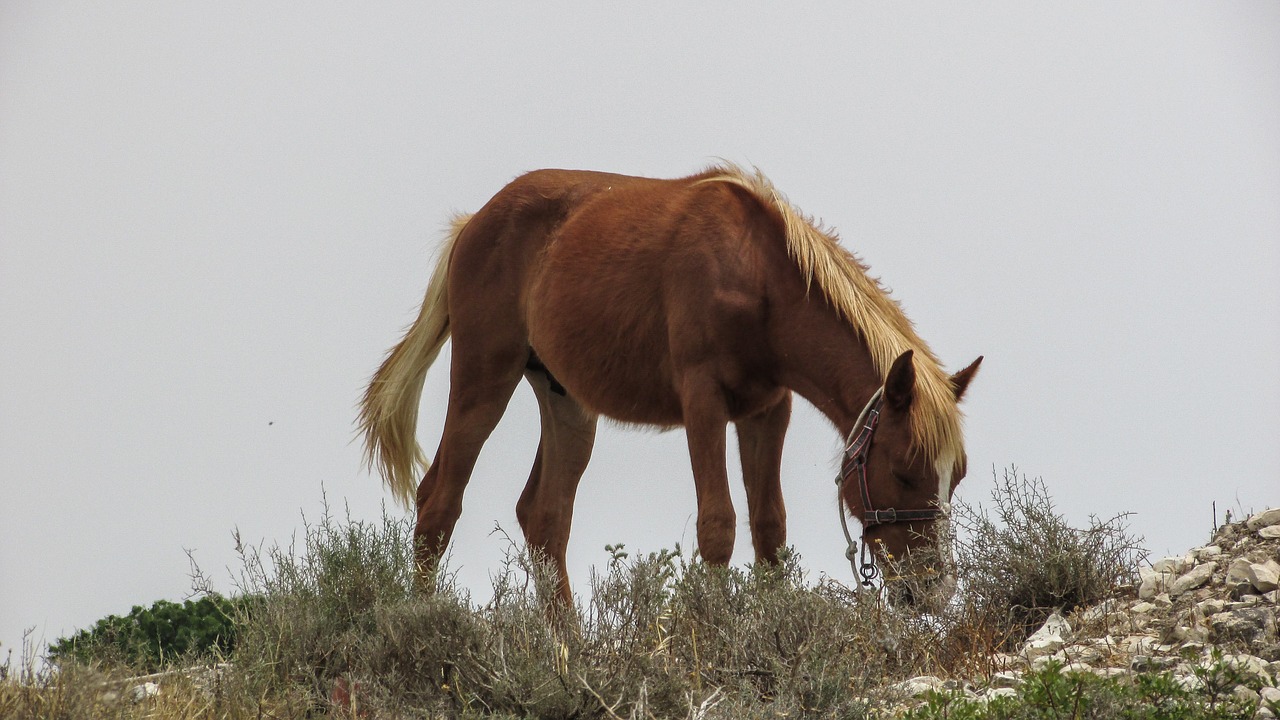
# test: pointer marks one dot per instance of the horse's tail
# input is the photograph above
(389, 410)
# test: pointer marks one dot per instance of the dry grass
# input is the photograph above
(337, 628)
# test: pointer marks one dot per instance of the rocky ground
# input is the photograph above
(1215, 605)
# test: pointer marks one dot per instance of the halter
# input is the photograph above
(856, 449)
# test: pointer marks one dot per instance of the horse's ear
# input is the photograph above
(960, 381)
(900, 383)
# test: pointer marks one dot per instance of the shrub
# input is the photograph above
(1020, 560)
(148, 639)
(340, 621)
(1051, 694)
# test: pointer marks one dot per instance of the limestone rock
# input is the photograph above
(1271, 695)
(1266, 518)
(1143, 608)
(1054, 626)
(1146, 663)
(1174, 565)
(1238, 571)
(1247, 625)
(917, 686)
(138, 693)
(1199, 575)
(1153, 583)
(1101, 611)
(1043, 647)
(1006, 680)
(1264, 578)
(1206, 552)
(1138, 644)
(1212, 606)
(1271, 532)
(999, 692)
(1246, 664)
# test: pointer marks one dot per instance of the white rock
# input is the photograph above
(1088, 654)
(1100, 611)
(1266, 518)
(1138, 644)
(1199, 575)
(1042, 647)
(1054, 626)
(1212, 606)
(1270, 694)
(138, 693)
(1206, 552)
(1189, 682)
(1162, 601)
(1264, 577)
(1153, 584)
(1176, 564)
(917, 686)
(1271, 532)
(1143, 608)
(1076, 667)
(999, 692)
(1189, 634)
(1006, 680)
(1238, 571)
(1248, 664)
(1244, 694)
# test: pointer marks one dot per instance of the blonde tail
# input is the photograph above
(389, 410)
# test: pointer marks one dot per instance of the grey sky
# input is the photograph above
(216, 217)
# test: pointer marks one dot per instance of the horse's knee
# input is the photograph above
(715, 537)
(768, 535)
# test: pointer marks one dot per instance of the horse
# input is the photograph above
(693, 302)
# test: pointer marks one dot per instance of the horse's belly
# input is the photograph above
(607, 362)
(605, 340)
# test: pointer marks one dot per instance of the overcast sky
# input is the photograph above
(216, 217)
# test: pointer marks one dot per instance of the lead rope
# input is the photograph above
(863, 566)
(860, 560)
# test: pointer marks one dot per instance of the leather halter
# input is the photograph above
(856, 450)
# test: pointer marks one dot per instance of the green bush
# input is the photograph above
(148, 639)
(1051, 694)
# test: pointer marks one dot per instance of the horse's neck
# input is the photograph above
(826, 362)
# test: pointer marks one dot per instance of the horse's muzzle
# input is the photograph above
(929, 594)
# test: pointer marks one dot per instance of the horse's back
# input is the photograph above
(617, 281)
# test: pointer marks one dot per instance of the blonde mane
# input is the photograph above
(859, 298)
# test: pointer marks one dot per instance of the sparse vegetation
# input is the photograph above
(1020, 560)
(338, 628)
(1052, 694)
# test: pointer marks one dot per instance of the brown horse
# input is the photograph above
(700, 302)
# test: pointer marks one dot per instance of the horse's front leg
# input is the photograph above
(706, 419)
(760, 446)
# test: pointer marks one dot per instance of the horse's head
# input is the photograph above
(900, 493)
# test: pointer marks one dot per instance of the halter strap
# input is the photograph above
(856, 450)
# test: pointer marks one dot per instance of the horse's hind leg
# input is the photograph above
(545, 509)
(484, 373)
(760, 446)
